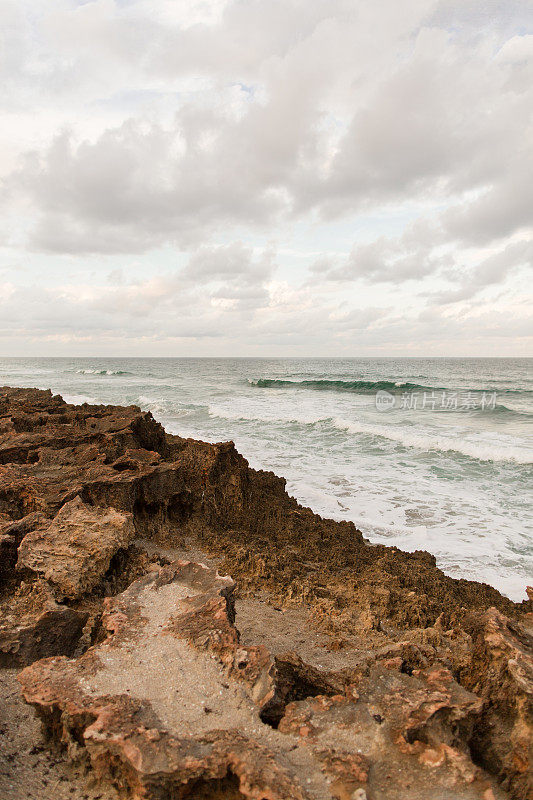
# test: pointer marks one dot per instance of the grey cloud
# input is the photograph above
(381, 261)
(265, 119)
(469, 19)
(423, 251)
(134, 186)
(445, 121)
(319, 130)
(159, 311)
(415, 255)
(218, 289)
(238, 277)
(501, 210)
(395, 261)
(162, 309)
(232, 261)
(490, 271)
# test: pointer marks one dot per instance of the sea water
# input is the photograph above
(432, 454)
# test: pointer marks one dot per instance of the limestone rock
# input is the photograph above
(359, 702)
(407, 732)
(33, 625)
(11, 534)
(172, 704)
(501, 673)
(50, 452)
(74, 550)
(154, 716)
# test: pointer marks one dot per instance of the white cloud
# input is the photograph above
(219, 128)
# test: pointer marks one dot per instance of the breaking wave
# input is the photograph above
(481, 451)
(358, 387)
(393, 387)
(416, 439)
(78, 399)
(102, 372)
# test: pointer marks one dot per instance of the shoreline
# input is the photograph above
(370, 607)
(388, 473)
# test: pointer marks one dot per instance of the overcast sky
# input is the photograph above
(266, 177)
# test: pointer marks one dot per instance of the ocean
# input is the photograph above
(420, 453)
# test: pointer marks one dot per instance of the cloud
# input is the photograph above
(229, 262)
(419, 255)
(490, 271)
(224, 293)
(387, 260)
(386, 142)
(501, 209)
(273, 133)
(135, 188)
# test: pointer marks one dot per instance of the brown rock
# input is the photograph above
(172, 702)
(403, 738)
(501, 673)
(121, 458)
(74, 550)
(11, 534)
(152, 715)
(348, 772)
(395, 626)
(33, 625)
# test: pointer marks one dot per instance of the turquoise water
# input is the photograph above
(443, 464)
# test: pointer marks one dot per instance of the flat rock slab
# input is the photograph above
(73, 550)
(172, 705)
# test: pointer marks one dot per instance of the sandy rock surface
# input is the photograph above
(74, 550)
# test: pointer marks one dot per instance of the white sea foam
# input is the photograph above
(261, 414)
(161, 407)
(485, 449)
(101, 372)
(481, 450)
(77, 399)
(90, 372)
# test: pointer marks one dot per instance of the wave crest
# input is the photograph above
(102, 372)
(481, 451)
(359, 387)
(393, 387)
(416, 439)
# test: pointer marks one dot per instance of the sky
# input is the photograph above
(266, 177)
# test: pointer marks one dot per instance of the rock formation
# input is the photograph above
(324, 667)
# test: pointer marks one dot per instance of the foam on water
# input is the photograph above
(102, 372)
(484, 448)
(77, 399)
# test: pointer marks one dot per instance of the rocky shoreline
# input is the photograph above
(324, 667)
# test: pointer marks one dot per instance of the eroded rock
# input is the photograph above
(50, 452)
(73, 550)
(12, 533)
(156, 717)
(172, 701)
(501, 674)
(369, 709)
(33, 625)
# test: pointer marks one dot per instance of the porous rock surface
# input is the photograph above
(75, 549)
(361, 671)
